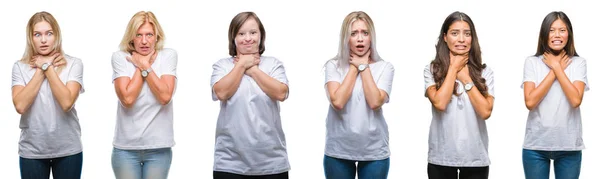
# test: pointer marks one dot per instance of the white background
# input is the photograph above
(302, 34)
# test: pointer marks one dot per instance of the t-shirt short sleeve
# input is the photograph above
(76, 73)
(119, 65)
(170, 63)
(17, 76)
(580, 73)
(278, 72)
(332, 73)
(488, 75)
(219, 71)
(428, 77)
(529, 70)
(387, 78)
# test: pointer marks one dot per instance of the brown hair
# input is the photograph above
(441, 63)
(234, 28)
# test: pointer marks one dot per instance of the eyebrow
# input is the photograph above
(43, 31)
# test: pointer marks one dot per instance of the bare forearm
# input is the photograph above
(538, 93)
(23, 98)
(482, 104)
(228, 85)
(572, 93)
(162, 88)
(442, 96)
(273, 88)
(340, 96)
(59, 90)
(129, 89)
(372, 94)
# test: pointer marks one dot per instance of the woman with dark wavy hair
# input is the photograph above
(554, 80)
(461, 90)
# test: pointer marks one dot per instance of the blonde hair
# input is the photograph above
(135, 23)
(30, 47)
(343, 55)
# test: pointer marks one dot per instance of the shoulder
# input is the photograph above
(533, 59)
(577, 60)
(72, 59)
(332, 63)
(269, 59)
(384, 65)
(487, 71)
(119, 55)
(224, 61)
(168, 51)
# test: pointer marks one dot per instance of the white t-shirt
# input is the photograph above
(46, 130)
(358, 132)
(249, 139)
(458, 136)
(553, 125)
(147, 124)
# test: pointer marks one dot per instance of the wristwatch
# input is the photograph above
(146, 72)
(45, 66)
(468, 86)
(362, 67)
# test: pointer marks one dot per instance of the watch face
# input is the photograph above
(361, 67)
(144, 73)
(45, 66)
(468, 86)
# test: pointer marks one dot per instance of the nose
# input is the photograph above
(44, 40)
(461, 38)
(247, 37)
(360, 37)
(556, 33)
(144, 40)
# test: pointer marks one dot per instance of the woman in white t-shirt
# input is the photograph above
(249, 141)
(461, 91)
(45, 85)
(554, 80)
(357, 83)
(144, 76)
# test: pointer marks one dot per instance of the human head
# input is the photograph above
(556, 27)
(153, 36)
(345, 48)
(234, 28)
(46, 39)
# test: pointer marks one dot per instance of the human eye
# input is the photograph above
(50, 34)
(352, 34)
(150, 35)
(365, 33)
(468, 34)
(37, 34)
(138, 35)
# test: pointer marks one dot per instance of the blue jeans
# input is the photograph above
(336, 168)
(68, 167)
(141, 164)
(536, 163)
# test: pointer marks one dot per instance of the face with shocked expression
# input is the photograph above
(247, 40)
(43, 38)
(360, 38)
(458, 38)
(145, 39)
(559, 35)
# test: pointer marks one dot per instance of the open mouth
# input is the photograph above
(557, 42)
(460, 47)
(44, 47)
(360, 47)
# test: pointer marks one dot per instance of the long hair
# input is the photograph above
(441, 63)
(545, 34)
(30, 47)
(343, 55)
(234, 28)
(134, 24)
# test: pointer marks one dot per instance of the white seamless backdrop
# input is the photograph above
(302, 34)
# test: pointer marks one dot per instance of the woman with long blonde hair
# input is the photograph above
(144, 76)
(45, 85)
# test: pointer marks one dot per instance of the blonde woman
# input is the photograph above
(249, 141)
(144, 76)
(45, 85)
(358, 82)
